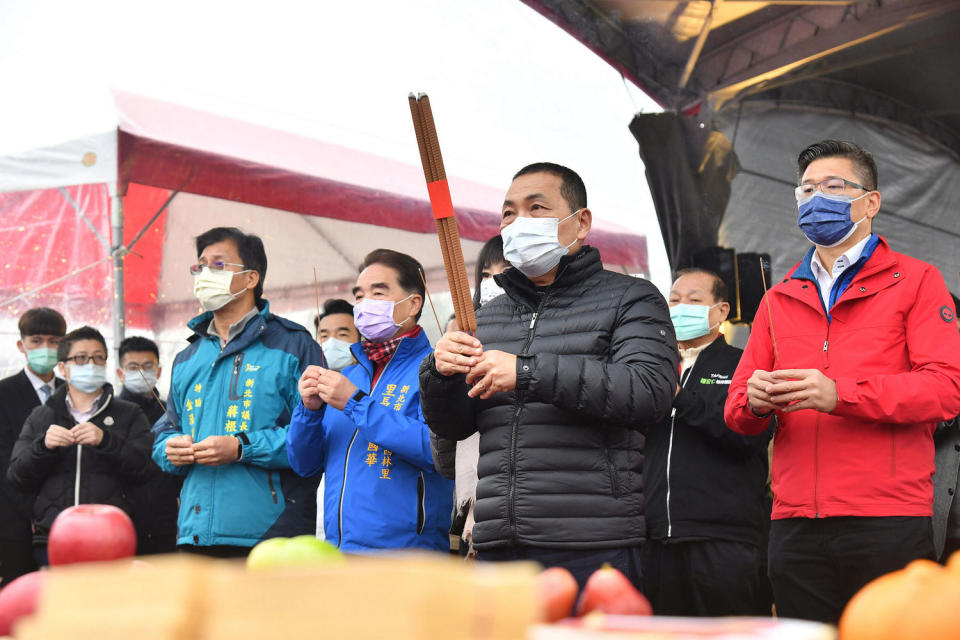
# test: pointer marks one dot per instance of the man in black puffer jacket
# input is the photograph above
(566, 372)
(83, 445)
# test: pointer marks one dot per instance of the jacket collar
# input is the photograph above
(408, 345)
(200, 324)
(709, 351)
(58, 401)
(573, 269)
(876, 245)
(137, 399)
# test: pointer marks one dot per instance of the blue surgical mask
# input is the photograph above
(42, 360)
(337, 354)
(825, 219)
(87, 378)
(691, 321)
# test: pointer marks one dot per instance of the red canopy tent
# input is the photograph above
(178, 171)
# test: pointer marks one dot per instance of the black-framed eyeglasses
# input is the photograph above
(830, 187)
(84, 359)
(216, 265)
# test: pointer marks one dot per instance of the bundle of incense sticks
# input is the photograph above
(442, 206)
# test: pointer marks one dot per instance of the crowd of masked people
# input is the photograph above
(589, 421)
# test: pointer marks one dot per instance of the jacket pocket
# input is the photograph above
(235, 377)
(273, 489)
(421, 510)
(612, 472)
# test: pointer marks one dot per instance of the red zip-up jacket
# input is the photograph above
(892, 347)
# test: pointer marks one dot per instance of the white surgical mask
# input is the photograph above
(532, 245)
(87, 377)
(137, 385)
(212, 288)
(489, 290)
(337, 354)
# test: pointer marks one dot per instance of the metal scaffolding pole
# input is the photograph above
(118, 251)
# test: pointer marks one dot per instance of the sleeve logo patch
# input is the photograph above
(947, 314)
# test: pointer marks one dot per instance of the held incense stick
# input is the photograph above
(763, 278)
(316, 286)
(442, 205)
(430, 298)
(157, 398)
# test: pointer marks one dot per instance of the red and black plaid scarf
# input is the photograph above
(381, 352)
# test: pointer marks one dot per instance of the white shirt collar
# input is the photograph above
(840, 265)
(84, 416)
(37, 382)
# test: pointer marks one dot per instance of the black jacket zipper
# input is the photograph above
(512, 499)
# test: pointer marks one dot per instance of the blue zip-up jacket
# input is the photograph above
(382, 491)
(247, 390)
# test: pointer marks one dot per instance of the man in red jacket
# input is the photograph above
(857, 354)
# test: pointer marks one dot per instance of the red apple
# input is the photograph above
(610, 591)
(557, 591)
(91, 533)
(19, 599)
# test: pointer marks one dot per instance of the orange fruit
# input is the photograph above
(921, 601)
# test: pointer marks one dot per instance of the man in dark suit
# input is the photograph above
(155, 501)
(40, 332)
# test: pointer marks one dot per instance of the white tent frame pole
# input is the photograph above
(118, 251)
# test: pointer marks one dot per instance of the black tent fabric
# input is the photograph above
(689, 170)
(919, 183)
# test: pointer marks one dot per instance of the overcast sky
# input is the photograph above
(508, 87)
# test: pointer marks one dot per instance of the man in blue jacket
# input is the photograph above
(232, 393)
(364, 429)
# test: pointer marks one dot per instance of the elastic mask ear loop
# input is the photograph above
(719, 323)
(564, 220)
(857, 223)
(400, 324)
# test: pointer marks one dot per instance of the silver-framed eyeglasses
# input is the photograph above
(830, 187)
(133, 367)
(216, 265)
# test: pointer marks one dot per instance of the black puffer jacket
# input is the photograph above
(561, 457)
(106, 472)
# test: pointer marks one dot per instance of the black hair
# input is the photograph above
(138, 343)
(571, 185)
(42, 321)
(409, 271)
(83, 333)
(863, 162)
(720, 292)
(249, 247)
(490, 253)
(331, 307)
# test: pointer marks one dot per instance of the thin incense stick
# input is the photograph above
(763, 277)
(157, 398)
(316, 286)
(430, 299)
